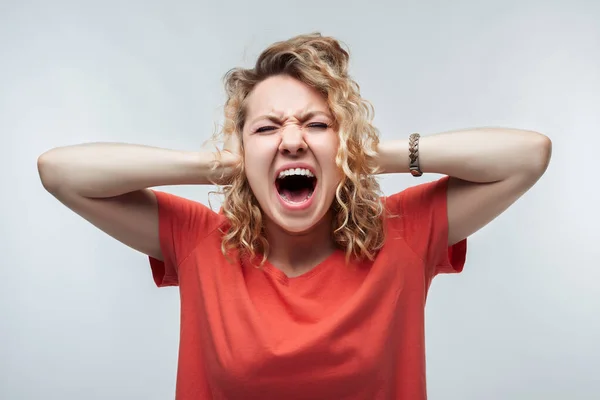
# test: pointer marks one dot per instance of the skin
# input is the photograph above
(277, 133)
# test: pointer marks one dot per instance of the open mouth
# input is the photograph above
(296, 188)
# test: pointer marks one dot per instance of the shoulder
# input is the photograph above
(187, 215)
(420, 215)
(417, 199)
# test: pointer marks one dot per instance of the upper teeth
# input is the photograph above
(296, 171)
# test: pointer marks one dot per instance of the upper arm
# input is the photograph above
(471, 205)
(131, 218)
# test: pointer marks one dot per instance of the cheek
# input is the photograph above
(257, 161)
(326, 150)
(336, 172)
(252, 166)
(329, 143)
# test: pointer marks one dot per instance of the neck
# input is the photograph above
(295, 254)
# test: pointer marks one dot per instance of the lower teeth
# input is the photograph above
(296, 202)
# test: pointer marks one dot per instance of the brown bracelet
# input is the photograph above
(413, 147)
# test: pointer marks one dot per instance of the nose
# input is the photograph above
(292, 141)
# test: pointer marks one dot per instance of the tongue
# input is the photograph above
(296, 196)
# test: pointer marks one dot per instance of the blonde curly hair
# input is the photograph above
(321, 63)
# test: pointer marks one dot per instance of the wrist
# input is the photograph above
(393, 156)
(217, 167)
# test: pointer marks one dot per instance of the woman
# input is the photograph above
(307, 284)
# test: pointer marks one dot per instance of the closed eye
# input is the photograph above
(265, 129)
(316, 125)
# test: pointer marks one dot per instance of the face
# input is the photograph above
(289, 153)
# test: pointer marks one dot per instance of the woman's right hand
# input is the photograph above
(233, 147)
(230, 157)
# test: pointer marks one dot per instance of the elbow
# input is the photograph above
(543, 153)
(47, 170)
(537, 152)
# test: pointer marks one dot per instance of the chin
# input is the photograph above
(298, 223)
(296, 228)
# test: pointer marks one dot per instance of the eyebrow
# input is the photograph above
(302, 117)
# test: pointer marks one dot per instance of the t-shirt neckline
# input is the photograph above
(275, 272)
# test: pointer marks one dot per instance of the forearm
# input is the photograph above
(112, 169)
(476, 155)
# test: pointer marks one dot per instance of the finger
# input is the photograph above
(232, 143)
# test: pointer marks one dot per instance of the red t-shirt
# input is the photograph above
(336, 332)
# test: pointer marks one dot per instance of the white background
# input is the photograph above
(80, 317)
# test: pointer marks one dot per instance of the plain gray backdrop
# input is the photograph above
(80, 316)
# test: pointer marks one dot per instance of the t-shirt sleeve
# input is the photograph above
(423, 217)
(182, 224)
